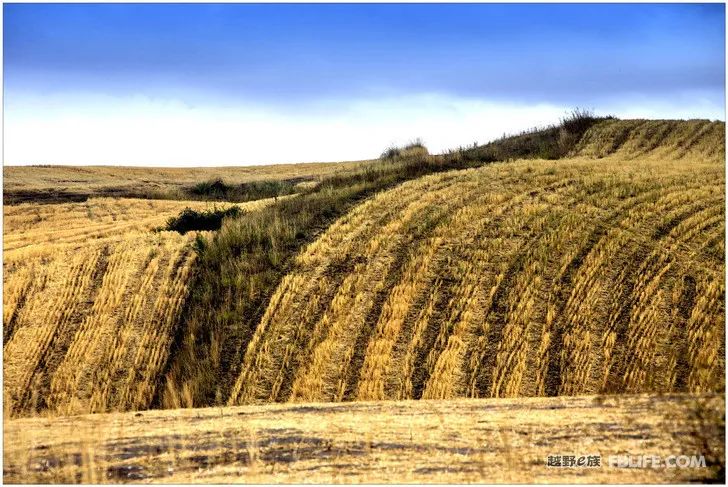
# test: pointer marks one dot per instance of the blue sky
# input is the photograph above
(190, 84)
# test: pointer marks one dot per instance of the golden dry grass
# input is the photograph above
(602, 273)
(461, 441)
(597, 274)
(32, 229)
(91, 296)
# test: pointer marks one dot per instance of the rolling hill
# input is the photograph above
(449, 276)
(600, 273)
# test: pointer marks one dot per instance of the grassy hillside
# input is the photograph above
(530, 278)
(462, 441)
(243, 264)
(413, 276)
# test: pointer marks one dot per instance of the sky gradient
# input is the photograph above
(223, 84)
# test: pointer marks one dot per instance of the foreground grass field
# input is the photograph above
(491, 441)
(90, 299)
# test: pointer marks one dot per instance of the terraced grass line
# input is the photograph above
(416, 222)
(645, 315)
(14, 296)
(599, 249)
(116, 360)
(418, 366)
(512, 290)
(26, 354)
(95, 332)
(330, 261)
(378, 354)
(242, 266)
(360, 350)
(466, 299)
(368, 281)
(397, 297)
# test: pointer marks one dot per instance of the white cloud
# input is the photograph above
(143, 131)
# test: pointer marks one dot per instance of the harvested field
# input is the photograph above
(481, 289)
(91, 297)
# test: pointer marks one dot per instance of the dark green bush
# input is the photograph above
(578, 121)
(190, 220)
(215, 189)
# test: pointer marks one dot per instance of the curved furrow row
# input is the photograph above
(554, 283)
(46, 318)
(582, 284)
(384, 255)
(636, 314)
(321, 269)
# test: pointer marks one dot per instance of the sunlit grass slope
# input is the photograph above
(409, 277)
(601, 273)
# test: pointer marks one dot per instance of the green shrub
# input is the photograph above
(190, 220)
(214, 188)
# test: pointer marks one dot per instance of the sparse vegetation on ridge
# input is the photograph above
(413, 149)
(552, 142)
(218, 190)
